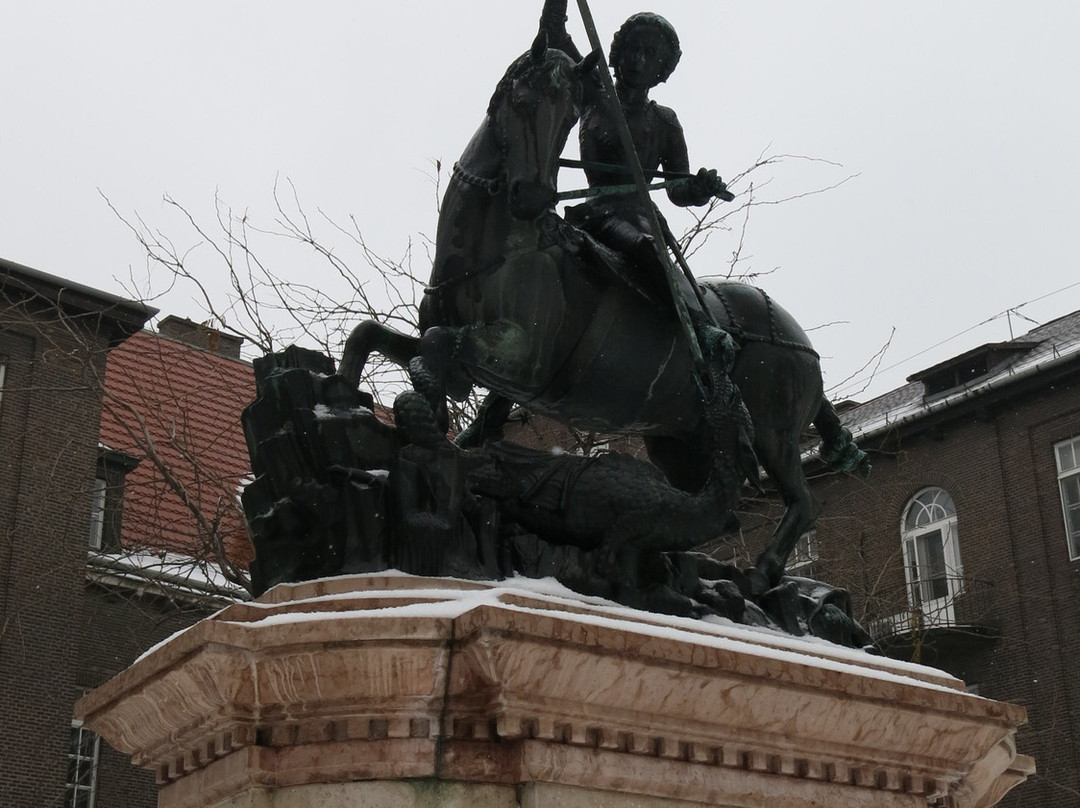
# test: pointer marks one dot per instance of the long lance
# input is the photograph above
(635, 169)
(634, 165)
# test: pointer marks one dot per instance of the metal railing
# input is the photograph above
(968, 604)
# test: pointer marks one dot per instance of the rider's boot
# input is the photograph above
(639, 249)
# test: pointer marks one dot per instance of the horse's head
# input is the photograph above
(533, 109)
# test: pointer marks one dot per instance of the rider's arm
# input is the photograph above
(597, 139)
(675, 158)
(553, 21)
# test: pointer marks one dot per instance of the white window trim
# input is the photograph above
(74, 789)
(804, 555)
(936, 611)
(1072, 543)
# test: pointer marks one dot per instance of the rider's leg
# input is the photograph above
(639, 248)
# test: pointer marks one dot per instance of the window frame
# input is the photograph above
(804, 555)
(1072, 538)
(107, 499)
(935, 610)
(99, 504)
(73, 788)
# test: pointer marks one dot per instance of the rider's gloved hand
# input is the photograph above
(705, 185)
(720, 191)
(702, 185)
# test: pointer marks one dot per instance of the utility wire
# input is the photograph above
(857, 380)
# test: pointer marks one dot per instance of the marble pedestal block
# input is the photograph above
(390, 691)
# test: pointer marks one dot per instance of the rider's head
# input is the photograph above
(645, 50)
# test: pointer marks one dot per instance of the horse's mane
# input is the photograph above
(549, 73)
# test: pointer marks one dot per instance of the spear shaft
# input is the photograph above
(614, 190)
(612, 167)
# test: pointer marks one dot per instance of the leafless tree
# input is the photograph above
(271, 300)
(275, 296)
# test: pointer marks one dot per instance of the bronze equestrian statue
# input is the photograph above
(546, 315)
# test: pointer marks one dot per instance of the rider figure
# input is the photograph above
(644, 52)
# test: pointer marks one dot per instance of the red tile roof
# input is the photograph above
(185, 403)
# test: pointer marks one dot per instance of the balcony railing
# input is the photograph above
(969, 606)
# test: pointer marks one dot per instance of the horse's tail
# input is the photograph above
(838, 450)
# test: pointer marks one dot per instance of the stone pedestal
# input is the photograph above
(390, 691)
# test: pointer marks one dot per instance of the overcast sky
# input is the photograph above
(957, 122)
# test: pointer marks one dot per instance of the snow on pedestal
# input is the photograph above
(397, 691)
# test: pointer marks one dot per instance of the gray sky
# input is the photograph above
(957, 121)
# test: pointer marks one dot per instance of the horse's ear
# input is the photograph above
(539, 47)
(589, 63)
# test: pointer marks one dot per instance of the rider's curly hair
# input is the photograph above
(667, 33)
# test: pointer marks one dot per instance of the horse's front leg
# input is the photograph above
(449, 359)
(370, 337)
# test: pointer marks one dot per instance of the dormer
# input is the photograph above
(967, 368)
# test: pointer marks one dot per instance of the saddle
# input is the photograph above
(606, 263)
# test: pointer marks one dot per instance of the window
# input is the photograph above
(590, 444)
(802, 558)
(82, 767)
(107, 499)
(1068, 466)
(932, 555)
(97, 512)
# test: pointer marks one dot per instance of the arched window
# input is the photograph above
(1068, 464)
(932, 554)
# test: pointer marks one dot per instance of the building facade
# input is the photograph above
(962, 549)
(54, 339)
(121, 457)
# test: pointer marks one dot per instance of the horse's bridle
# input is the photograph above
(493, 185)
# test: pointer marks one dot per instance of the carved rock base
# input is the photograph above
(390, 690)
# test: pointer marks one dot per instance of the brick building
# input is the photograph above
(962, 549)
(54, 336)
(120, 461)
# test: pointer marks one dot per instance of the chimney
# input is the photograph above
(202, 336)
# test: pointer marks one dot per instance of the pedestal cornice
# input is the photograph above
(391, 677)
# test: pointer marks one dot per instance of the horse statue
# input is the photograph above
(535, 310)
